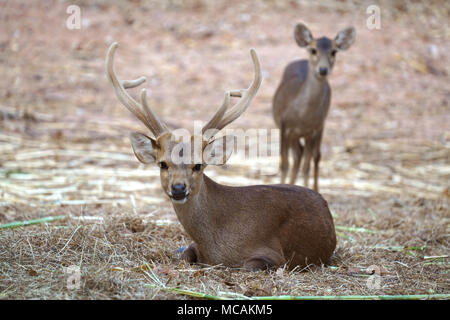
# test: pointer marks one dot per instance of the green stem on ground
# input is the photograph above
(18, 224)
(197, 294)
(355, 229)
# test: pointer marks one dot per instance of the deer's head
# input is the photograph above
(181, 162)
(322, 51)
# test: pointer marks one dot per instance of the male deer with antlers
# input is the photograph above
(252, 227)
(302, 100)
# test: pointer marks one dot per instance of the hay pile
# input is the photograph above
(114, 253)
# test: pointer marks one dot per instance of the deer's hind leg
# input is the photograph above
(297, 148)
(284, 153)
(317, 155)
(263, 259)
(306, 164)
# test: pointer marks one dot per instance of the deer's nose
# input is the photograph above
(179, 191)
(323, 71)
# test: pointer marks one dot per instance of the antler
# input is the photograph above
(223, 117)
(141, 110)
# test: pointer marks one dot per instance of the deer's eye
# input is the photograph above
(163, 165)
(333, 53)
(313, 51)
(197, 167)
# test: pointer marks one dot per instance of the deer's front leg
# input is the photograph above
(190, 253)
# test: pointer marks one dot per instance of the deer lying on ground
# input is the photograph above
(302, 100)
(253, 227)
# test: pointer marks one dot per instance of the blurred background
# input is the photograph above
(64, 145)
(63, 129)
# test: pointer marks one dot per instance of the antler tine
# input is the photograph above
(148, 118)
(150, 115)
(128, 84)
(246, 95)
(215, 120)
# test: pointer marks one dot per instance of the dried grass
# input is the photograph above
(113, 254)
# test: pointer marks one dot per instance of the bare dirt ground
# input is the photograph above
(64, 148)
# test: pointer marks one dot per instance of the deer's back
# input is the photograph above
(294, 219)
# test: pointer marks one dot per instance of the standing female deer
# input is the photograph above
(302, 100)
(254, 227)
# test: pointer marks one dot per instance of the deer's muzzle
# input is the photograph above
(179, 191)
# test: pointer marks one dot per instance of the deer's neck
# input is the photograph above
(309, 108)
(313, 88)
(203, 211)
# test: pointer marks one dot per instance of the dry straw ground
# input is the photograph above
(64, 149)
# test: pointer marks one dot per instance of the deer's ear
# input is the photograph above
(144, 147)
(218, 152)
(302, 35)
(345, 38)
